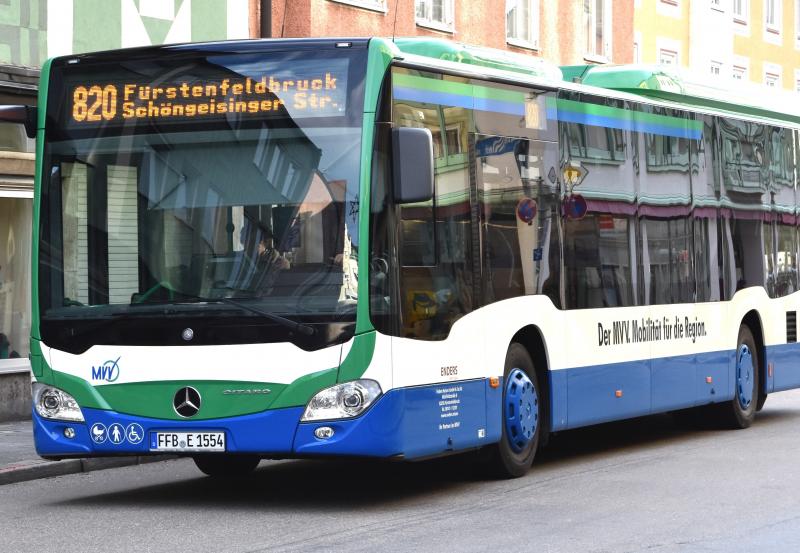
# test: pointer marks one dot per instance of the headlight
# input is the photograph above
(342, 401)
(52, 403)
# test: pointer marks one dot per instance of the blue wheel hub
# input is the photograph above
(521, 410)
(744, 375)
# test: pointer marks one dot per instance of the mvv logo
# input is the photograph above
(108, 371)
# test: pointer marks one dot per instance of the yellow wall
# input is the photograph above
(758, 51)
(650, 24)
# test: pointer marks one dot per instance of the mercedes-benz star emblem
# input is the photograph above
(187, 334)
(186, 402)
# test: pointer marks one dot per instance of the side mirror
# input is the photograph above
(412, 152)
(23, 115)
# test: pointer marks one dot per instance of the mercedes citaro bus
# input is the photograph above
(397, 249)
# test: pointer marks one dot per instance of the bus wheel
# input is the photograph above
(740, 412)
(521, 427)
(226, 466)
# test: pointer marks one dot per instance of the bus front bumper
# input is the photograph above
(405, 422)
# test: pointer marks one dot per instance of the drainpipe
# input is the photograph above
(266, 18)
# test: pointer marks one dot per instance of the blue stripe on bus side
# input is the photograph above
(627, 124)
(518, 109)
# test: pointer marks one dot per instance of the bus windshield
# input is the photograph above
(219, 186)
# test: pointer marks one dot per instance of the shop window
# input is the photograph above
(15, 278)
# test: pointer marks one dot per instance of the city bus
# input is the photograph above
(397, 249)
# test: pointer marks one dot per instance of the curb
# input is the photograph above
(39, 468)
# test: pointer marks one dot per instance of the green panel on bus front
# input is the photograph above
(155, 399)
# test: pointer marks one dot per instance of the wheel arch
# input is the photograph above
(532, 339)
(752, 320)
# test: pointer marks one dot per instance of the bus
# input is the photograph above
(397, 249)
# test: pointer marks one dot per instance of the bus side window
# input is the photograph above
(598, 248)
(436, 286)
(666, 270)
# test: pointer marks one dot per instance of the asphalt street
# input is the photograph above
(643, 485)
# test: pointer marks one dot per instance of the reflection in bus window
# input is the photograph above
(666, 261)
(598, 262)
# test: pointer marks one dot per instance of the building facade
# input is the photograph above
(565, 32)
(753, 41)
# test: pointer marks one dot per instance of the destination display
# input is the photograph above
(299, 89)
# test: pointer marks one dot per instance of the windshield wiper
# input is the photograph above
(306, 330)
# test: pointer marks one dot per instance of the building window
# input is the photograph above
(739, 73)
(772, 16)
(437, 14)
(741, 11)
(377, 5)
(667, 57)
(797, 23)
(772, 78)
(522, 22)
(597, 26)
(716, 5)
(715, 68)
(15, 276)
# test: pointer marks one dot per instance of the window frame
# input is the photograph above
(773, 29)
(741, 19)
(672, 53)
(372, 5)
(772, 70)
(533, 26)
(606, 55)
(797, 24)
(448, 25)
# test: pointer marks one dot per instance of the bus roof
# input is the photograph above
(689, 89)
(448, 50)
(663, 85)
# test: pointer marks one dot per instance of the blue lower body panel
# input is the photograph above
(407, 422)
(267, 432)
(414, 422)
(785, 360)
(584, 396)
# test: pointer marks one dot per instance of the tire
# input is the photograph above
(762, 399)
(741, 411)
(513, 455)
(226, 466)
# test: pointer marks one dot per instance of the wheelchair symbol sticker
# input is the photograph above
(134, 433)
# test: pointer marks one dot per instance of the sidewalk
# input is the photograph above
(19, 461)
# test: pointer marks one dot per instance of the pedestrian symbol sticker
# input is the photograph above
(134, 433)
(116, 433)
(99, 433)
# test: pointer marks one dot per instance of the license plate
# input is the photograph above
(187, 441)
